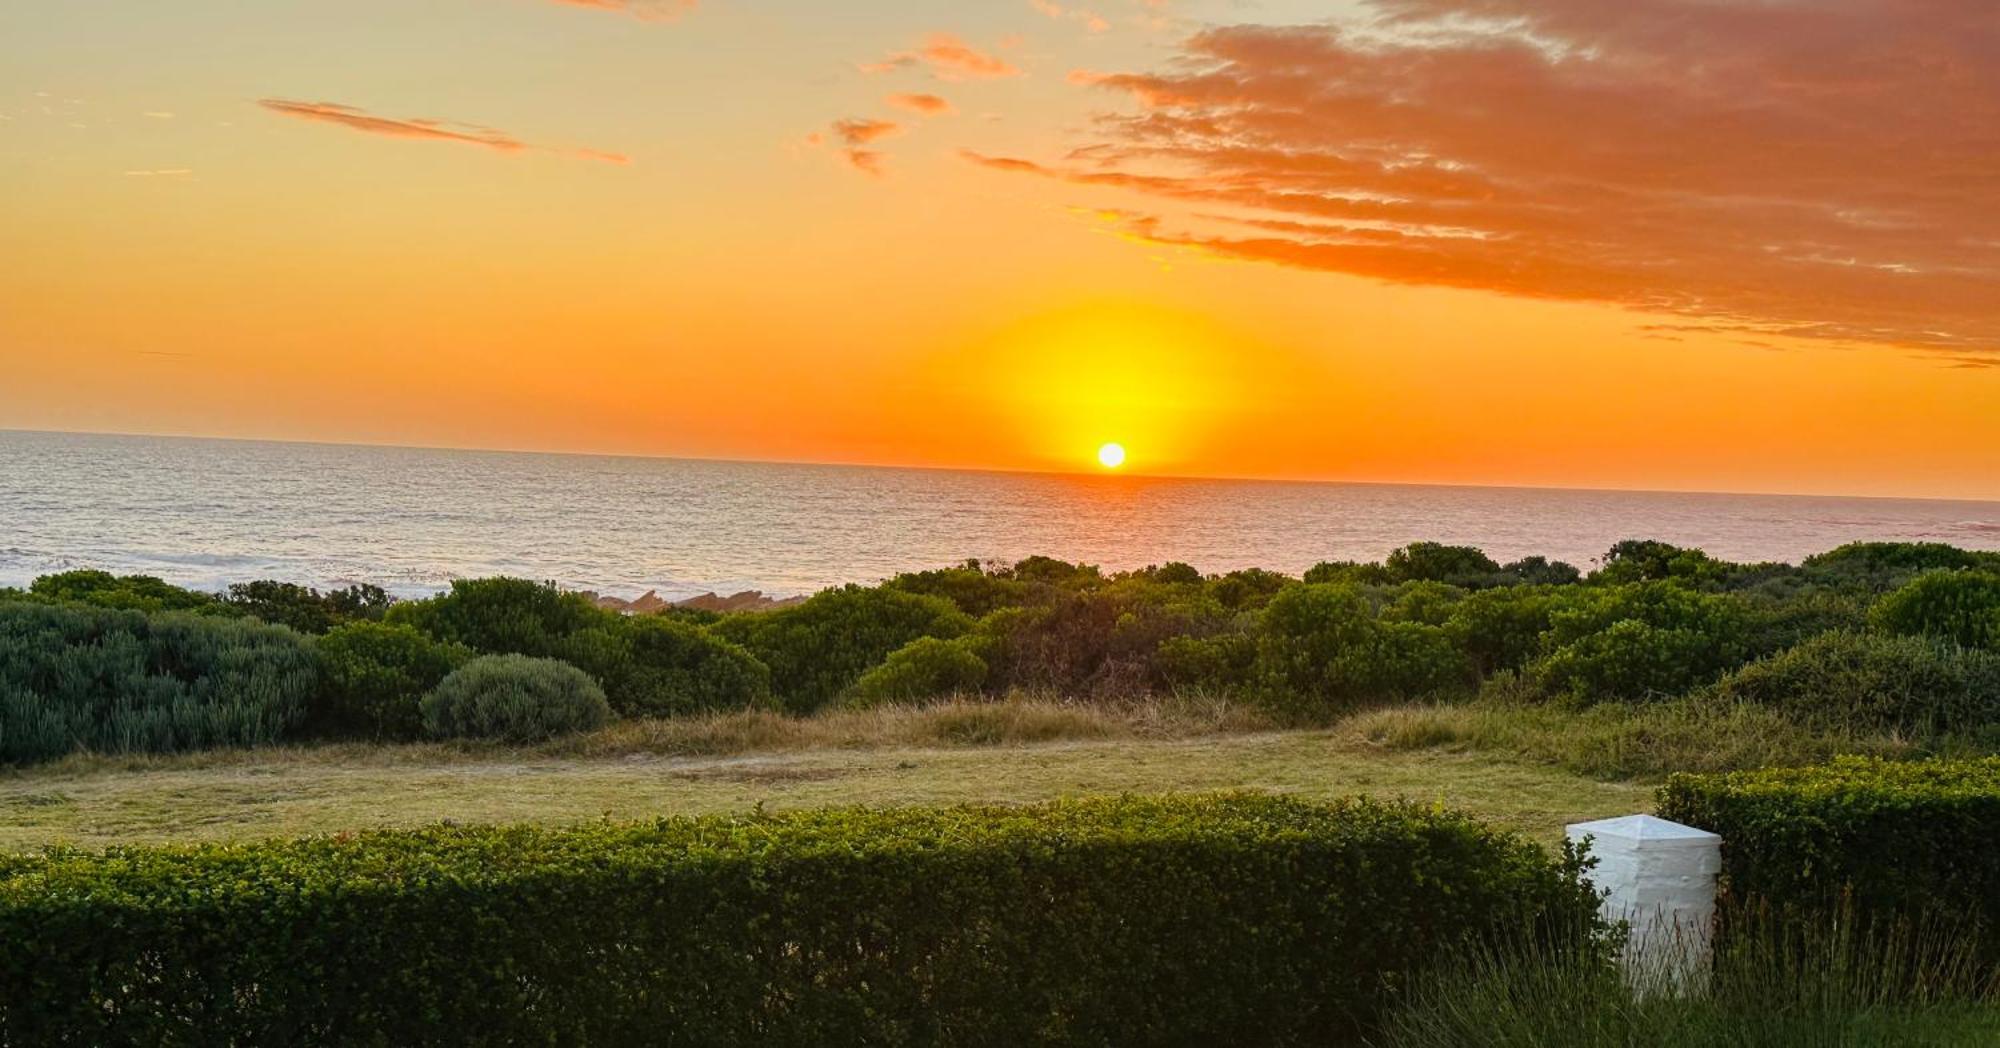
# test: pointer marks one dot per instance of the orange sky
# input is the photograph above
(1658, 244)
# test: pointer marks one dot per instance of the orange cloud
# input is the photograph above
(651, 10)
(948, 58)
(926, 105)
(1803, 169)
(855, 134)
(416, 127)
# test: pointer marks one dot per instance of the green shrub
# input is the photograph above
(1959, 606)
(1891, 839)
(373, 677)
(1220, 664)
(516, 698)
(1349, 572)
(1881, 566)
(1463, 566)
(1501, 629)
(818, 649)
(74, 677)
(1644, 641)
(1321, 649)
(1649, 560)
(1539, 571)
(305, 609)
(974, 591)
(124, 592)
(1430, 603)
(503, 616)
(924, 668)
(1872, 682)
(1234, 920)
(1247, 588)
(655, 666)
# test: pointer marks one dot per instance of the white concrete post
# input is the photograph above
(1660, 876)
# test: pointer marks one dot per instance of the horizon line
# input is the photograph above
(1109, 475)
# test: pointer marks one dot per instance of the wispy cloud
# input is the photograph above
(948, 58)
(855, 134)
(651, 10)
(1819, 170)
(420, 128)
(921, 104)
(1090, 20)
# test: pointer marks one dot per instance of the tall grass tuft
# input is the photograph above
(1841, 981)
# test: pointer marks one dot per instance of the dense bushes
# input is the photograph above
(1959, 606)
(86, 678)
(372, 676)
(923, 668)
(515, 698)
(1655, 621)
(656, 666)
(816, 650)
(1857, 680)
(1322, 646)
(1889, 838)
(1225, 920)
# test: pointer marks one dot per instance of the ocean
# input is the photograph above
(206, 513)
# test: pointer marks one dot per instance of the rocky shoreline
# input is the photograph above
(651, 602)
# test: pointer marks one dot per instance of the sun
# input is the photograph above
(1111, 456)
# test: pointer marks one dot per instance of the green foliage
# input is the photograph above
(502, 616)
(305, 609)
(1463, 566)
(1247, 589)
(1501, 629)
(657, 666)
(818, 649)
(1237, 920)
(925, 668)
(1430, 603)
(1868, 681)
(974, 591)
(1335, 572)
(1220, 664)
(84, 678)
(1902, 839)
(1643, 641)
(1322, 649)
(1959, 606)
(125, 592)
(1878, 567)
(373, 676)
(1832, 982)
(1648, 560)
(516, 698)
(1540, 571)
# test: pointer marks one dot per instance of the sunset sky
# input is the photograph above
(1681, 244)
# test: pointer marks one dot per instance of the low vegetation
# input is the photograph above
(1874, 647)
(1838, 980)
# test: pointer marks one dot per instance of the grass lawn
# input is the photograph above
(248, 794)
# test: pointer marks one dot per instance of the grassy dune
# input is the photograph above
(1009, 752)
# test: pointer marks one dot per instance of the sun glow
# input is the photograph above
(1111, 456)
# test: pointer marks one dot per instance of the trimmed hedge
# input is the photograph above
(1241, 920)
(1897, 839)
